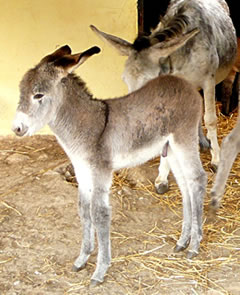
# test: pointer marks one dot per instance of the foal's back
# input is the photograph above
(140, 124)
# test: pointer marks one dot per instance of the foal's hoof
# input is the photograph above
(76, 268)
(178, 248)
(161, 188)
(191, 254)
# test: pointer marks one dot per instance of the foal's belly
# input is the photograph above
(139, 156)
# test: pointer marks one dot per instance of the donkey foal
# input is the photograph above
(101, 136)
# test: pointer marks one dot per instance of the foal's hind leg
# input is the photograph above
(184, 239)
(187, 168)
(229, 150)
(196, 180)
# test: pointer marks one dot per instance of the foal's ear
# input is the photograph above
(57, 54)
(70, 62)
(87, 53)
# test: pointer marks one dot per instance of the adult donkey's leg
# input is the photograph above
(229, 150)
(210, 119)
(161, 182)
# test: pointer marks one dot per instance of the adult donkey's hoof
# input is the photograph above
(214, 167)
(161, 188)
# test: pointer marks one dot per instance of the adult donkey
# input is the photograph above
(204, 60)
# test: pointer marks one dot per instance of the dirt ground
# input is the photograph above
(40, 231)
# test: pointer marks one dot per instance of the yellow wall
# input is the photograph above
(29, 29)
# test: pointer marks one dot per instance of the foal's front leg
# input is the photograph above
(84, 176)
(87, 245)
(101, 218)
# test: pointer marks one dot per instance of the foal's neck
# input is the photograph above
(80, 119)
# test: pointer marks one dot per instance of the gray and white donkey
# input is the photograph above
(101, 136)
(205, 60)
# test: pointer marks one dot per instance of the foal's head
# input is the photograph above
(40, 90)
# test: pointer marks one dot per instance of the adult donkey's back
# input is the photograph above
(205, 60)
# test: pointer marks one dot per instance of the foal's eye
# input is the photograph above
(38, 96)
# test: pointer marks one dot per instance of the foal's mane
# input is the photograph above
(170, 26)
